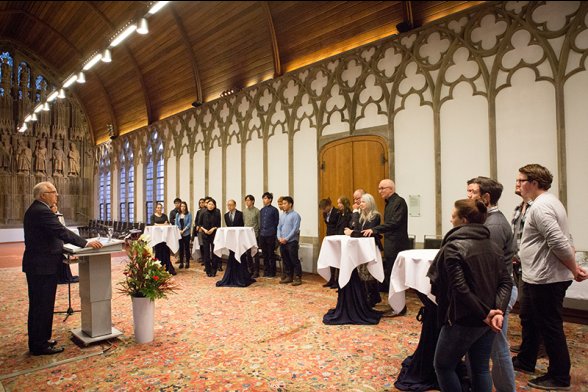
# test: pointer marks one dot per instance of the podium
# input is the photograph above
(95, 291)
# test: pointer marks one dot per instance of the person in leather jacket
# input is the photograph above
(472, 288)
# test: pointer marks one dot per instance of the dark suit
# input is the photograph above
(333, 219)
(237, 220)
(44, 238)
(395, 230)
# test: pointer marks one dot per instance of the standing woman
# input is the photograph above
(184, 223)
(209, 221)
(162, 252)
(472, 287)
(345, 214)
(369, 217)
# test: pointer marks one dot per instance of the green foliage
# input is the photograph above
(144, 274)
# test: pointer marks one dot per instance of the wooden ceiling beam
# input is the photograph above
(188, 46)
(273, 39)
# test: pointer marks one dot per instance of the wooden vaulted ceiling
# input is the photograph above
(195, 49)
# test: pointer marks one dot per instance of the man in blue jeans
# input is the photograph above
(489, 191)
(288, 237)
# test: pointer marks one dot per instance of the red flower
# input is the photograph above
(156, 277)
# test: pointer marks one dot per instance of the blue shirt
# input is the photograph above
(289, 226)
(269, 217)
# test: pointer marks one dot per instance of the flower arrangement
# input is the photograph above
(144, 275)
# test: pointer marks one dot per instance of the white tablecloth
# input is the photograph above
(346, 253)
(410, 271)
(169, 234)
(237, 239)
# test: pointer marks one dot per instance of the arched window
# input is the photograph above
(104, 189)
(127, 184)
(154, 172)
(6, 64)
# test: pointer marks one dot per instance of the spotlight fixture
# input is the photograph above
(34, 117)
(156, 7)
(123, 35)
(22, 128)
(106, 57)
(81, 78)
(143, 27)
(46, 107)
(61, 94)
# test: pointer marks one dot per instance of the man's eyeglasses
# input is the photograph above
(521, 181)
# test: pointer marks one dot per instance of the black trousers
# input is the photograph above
(185, 249)
(268, 246)
(292, 266)
(211, 261)
(42, 289)
(541, 317)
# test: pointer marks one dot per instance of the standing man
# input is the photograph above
(549, 265)
(331, 218)
(289, 237)
(175, 210)
(394, 228)
(269, 218)
(489, 191)
(251, 219)
(43, 255)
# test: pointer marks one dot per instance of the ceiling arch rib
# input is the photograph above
(148, 109)
(79, 55)
(273, 39)
(188, 45)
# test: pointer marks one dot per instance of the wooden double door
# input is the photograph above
(352, 163)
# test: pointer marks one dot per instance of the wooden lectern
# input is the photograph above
(95, 291)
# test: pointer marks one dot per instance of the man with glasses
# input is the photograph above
(394, 228)
(43, 255)
(548, 265)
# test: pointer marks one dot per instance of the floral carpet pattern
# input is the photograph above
(267, 337)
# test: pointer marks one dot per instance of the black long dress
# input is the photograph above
(236, 274)
(353, 304)
(161, 250)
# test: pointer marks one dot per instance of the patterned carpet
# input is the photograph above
(267, 337)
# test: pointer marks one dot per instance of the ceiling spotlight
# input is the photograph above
(143, 27)
(81, 78)
(46, 107)
(106, 57)
(61, 94)
(93, 61)
(22, 128)
(34, 117)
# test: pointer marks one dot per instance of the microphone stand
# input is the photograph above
(69, 310)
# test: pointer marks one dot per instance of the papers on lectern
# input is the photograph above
(108, 246)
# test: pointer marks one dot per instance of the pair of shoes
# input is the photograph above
(547, 383)
(48, 351)
(187, 265)
(286, 279)
(52, 342)
(392, 313)
(74, 279)
(297, 281)
(328, 284)
(181, 266)
(173, 273)
(519, 367)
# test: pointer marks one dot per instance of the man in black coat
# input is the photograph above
(394, 228)
(43, 255)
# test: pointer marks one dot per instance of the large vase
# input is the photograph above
(143, 319)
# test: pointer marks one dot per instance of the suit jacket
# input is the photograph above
(395, 226)
(237, 222)
(44, 238)
(344, 223)
(333, 220)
